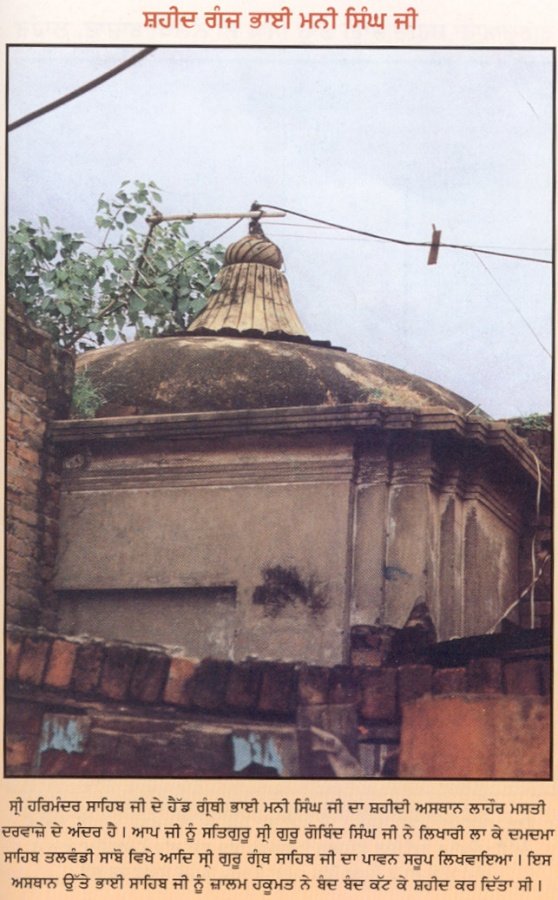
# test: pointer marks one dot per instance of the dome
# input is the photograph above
(248, 349)
(198, 373)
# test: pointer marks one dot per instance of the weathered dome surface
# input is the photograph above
(248, 350)
(194, 373)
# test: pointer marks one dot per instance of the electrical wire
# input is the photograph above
(522, 595)
(515, 306)
(535, 575)
(405, 243)
(81, 90)
(203, 246)
(534, 541)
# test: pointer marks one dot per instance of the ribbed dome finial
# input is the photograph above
(254, 249)
(253, 294)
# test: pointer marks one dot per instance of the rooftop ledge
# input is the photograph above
(361, 417)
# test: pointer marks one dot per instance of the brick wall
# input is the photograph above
(39, 384)
(134, 697)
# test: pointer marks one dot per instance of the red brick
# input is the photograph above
(313, 685)
(19, 484)
(21, 546)
(14, 643)
(33, 660)
(61, 664)
(484, 676)
(179, 677)
(366, 656)
(18, 368)
(523, 677)
(13, 492)
(21, 530)
(33, 433)
(414, 681)
(209, 684)
(17, 382)
(278, 693)
(343, 686)
(378, 694)
(34, 387)
(13, 423)
(23, 718)
(449, 681)
(31, 517)
(20, 753)
(29, 455)
(149, 676)
(243, 687)
(118, 667)
(87, 667)
(22, 590)
(20, 565)
(16, 351)
(33, 359)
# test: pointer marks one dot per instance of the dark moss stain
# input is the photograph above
(393, 573)
(283, 587)
(191, 374)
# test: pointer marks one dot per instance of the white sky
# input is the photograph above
(390, 141)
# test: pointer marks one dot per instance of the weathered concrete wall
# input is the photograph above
(490, 567)
(427, 529)
(536, 542)
(40, 378)
(309, 535)
(200, 620)
(267, 521)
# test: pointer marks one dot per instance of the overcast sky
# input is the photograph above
(389, 141)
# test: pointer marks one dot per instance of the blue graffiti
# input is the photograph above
(255, 748)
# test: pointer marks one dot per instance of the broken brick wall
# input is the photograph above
(39, 386)
(81, 706)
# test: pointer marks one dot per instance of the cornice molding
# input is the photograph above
(354, 417)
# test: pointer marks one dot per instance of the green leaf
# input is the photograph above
(64, 282)
(136, 303)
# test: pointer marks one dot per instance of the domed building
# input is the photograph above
(247, 492)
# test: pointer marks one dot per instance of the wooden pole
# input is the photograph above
(253, 214)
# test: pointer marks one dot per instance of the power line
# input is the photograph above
(391, 240)
(477, 251)
(81, 90)
(515, 306)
